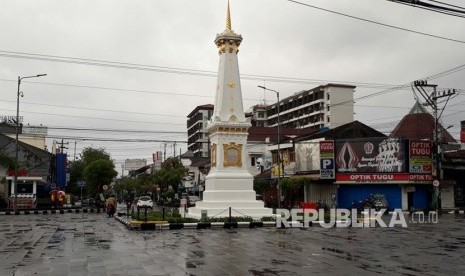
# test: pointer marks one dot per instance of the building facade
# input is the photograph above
(325, 106)
(197, 134)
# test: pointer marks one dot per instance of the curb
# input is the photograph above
(163, 225)
(51, 211)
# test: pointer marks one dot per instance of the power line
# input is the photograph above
(117, 130)
(397, 88)
(97, 109)
(435, 8)
(173, 70)
(446, 4)
(94, 118)
(82, 138)
(377, 23)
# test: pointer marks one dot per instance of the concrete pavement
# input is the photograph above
(92, 244)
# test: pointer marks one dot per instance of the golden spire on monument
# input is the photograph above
(228, 36)
(228, 19)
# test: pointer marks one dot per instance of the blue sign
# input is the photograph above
(60, 170)
(327, 170)
(327, 164)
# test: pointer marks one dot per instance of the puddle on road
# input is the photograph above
(266, 272)
(190, 265)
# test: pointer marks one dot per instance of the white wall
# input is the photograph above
(340, 114)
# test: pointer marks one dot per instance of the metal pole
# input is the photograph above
(230, 218)
(15, 184)
(436, 143)
(279, 142)
(279, 159)
(74, 157)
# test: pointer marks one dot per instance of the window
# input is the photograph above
(327, 96)
(327, 118)
(327, 108)
(252, 161)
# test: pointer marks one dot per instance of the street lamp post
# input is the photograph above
(279, 142)
(19, 93)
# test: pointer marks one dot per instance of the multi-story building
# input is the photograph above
(328, 106)
(197, 135)
(258, 115)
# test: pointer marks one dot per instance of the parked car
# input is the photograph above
(144, 202)
(192, 200)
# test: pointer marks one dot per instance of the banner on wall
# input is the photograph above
(387, 178)
(287, 166)
(375, 155)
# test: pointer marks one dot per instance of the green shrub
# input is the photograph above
(173, 216)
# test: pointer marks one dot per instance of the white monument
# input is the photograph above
(229, 184)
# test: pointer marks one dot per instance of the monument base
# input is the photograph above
(227, 192)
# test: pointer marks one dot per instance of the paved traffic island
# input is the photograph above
(137, 224)
(133, 224)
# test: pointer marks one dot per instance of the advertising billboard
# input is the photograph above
(287, 166)
(307, 155)
(376, 155)
(134, 164)
(327, 168)
(61, 167)
(383, 160)
(420, 156)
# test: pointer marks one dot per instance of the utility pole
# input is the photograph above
(432, 100)
(74, 157)
(62, 145)
(164, 152)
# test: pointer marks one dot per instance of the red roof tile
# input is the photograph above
(420, 126)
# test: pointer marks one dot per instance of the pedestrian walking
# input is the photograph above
(111, 206)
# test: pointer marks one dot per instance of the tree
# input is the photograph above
(86, 169)
(261, 185)
(76, 169)
(127, 187)
(146, 183)
(98, 173)
(170, 175)
(292, 188)
(89, 155)
(6, 161)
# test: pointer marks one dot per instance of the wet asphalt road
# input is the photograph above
(92, 244)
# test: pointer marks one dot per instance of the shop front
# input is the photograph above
(400, 191)
(398, 171)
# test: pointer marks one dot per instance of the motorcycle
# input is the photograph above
(322, 205)
(376, 201)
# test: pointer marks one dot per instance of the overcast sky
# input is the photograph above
(145, 65)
